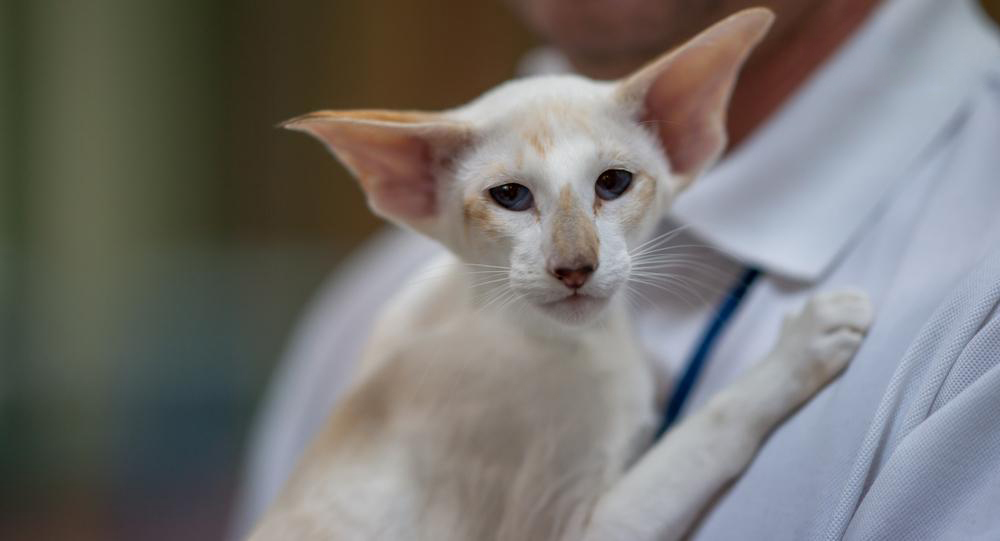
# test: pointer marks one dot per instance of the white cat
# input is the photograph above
(526, 412)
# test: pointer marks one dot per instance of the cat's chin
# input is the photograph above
(575, 309)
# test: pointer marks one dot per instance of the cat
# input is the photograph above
(527, 413)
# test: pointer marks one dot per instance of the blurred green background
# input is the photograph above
(158, 236)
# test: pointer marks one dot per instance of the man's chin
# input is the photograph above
(575, 309)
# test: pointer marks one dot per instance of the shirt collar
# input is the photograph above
(790, 199)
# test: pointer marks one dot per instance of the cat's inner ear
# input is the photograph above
(684, 93)
(394, 155)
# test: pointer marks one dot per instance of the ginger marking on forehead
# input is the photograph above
(537, 143)
(538, 133)
(576, 118)
(546, 121)
(574, 238)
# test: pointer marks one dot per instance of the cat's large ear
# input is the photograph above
(685, 92)
(394, 155)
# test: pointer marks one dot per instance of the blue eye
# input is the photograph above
(512, 196)
(612, 184)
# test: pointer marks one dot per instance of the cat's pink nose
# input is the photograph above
(573, 278)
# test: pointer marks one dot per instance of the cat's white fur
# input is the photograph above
(495, 402)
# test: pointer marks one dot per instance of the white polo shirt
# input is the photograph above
(882, 172)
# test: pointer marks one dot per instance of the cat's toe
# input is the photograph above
(821, 340)
(831, 328)
(840, 309)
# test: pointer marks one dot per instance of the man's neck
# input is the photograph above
(792, 51)
(785, 60)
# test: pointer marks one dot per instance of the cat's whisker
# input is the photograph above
(681, 291)
(487, 272)
(717, 288)
(655, 242)
(634, 296)
(714, 288)
(670, 233)
(693, 287)
(668, 258)
(688, 243)
(659, 239)
(513, 298)
(678, 269)
(490, 289)
(502, 294)
(674, 258)
(686, 270)
(491, 293)
(677, 259)
(689, 250)
(519, 305)
(630, 302)
(670, 251)
(483, 265)
(672, 248)
(493, 281)
(673, 293)
(666, 266)
(444, 270)
(480, 297)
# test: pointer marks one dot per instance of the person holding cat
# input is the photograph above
(863, 151)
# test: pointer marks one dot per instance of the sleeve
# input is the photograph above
(322, 354)
(929, 467)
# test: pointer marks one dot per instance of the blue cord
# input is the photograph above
(696, 362)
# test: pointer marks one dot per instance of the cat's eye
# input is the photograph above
(612, 184)
(512, 196)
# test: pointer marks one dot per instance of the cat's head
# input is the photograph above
(552, 182)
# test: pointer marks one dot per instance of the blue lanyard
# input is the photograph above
(696, 362)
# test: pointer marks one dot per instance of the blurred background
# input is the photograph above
(159, 237)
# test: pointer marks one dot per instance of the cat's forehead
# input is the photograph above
(544, 97)
(553, 125)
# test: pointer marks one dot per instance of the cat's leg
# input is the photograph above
(665, 492)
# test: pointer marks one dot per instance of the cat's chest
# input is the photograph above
(514, 394)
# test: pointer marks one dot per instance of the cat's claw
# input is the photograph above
(824, 336)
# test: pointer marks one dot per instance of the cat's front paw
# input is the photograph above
(820, 340)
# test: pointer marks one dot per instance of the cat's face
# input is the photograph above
(550, 182)
(559, 181)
